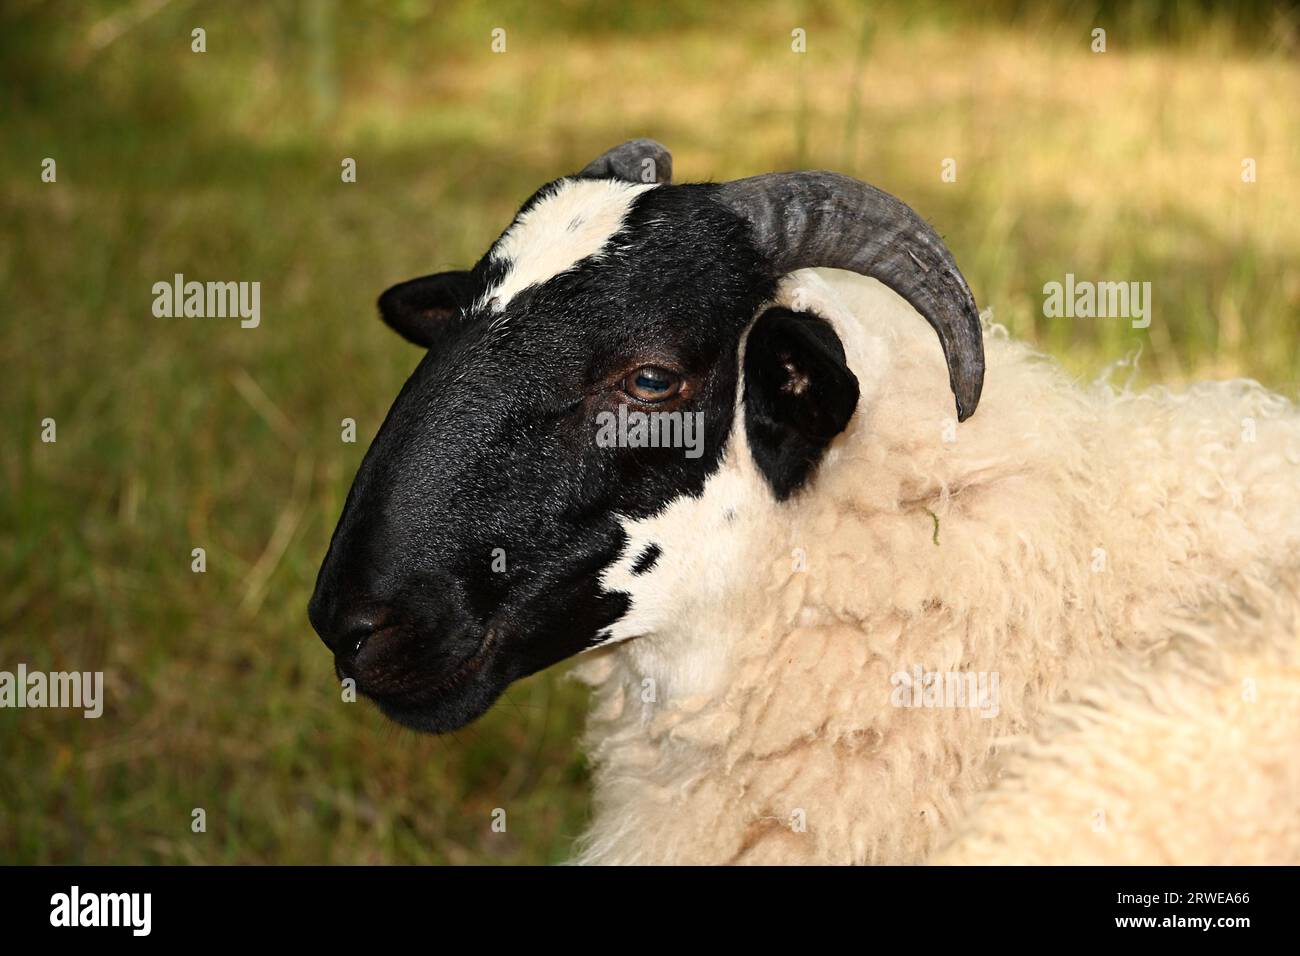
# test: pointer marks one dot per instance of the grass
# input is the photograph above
(176, 434)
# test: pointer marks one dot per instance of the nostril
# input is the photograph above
(346, 634)
(354, 637)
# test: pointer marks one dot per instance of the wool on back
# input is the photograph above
(1183, 754)
(1061, 529)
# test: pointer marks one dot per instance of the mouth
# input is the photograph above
(470, 667)
(448, 701)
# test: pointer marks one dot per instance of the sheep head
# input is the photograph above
(613, 311)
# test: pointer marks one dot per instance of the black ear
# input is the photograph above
(799, 394)
(420, 309)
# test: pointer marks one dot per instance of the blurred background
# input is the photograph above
(225, 165)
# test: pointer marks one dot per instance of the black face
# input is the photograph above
(471, 543)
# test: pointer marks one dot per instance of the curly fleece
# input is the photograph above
(1057, 540)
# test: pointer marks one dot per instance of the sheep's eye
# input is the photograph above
(651, 383)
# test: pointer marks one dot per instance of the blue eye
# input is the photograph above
(652, 383)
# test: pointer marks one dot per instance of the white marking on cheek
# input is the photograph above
(704, 545)
(691, 609)
(571, 224)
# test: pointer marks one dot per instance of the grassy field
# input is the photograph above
(175, 434)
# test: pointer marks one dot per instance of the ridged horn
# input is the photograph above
(808, 219)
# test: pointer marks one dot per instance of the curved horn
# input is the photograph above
(824, 219)
(636, 161)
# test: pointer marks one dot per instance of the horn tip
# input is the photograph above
(632, 161)
(967, 395)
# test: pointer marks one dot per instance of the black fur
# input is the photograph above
(489, 454)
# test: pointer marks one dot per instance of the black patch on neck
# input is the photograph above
(647, 559)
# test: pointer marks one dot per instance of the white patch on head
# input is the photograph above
(572, 223)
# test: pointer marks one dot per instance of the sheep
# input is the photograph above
(1074, 527)
(772, 628)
